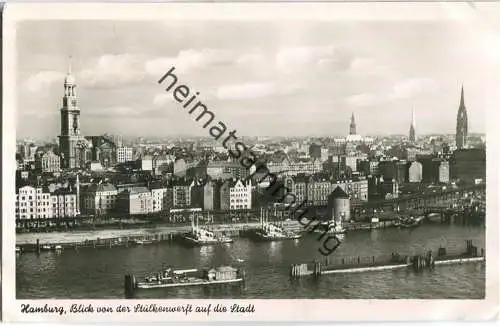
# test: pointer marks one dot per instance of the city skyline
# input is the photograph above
(270, 84)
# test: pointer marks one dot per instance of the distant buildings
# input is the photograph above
(468, 164)
(48, 162)
(124, 154)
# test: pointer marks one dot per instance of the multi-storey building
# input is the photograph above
(99, 199)
(48, 162)
(135, 201)
(181, 190)
(415, 172)
(124, 154)
(64, 203)
(240, 195)
(33, 203)
(161, 198)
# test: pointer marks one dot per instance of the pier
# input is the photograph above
(370, 264)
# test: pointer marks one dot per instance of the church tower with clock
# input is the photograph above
(72, 144)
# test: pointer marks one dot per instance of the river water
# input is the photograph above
(98, 273)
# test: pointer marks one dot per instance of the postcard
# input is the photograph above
(250, 162)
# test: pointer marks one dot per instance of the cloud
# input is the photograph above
(112, 71)
(413, 87)
(294, 59)
(362, 100)
(368, 66)
(252, 59)
(123, 112)
(190, 60)
(256, 90)
(43, 80)
(246, 91)
(160, 100)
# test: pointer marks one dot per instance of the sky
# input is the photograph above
(262, 78)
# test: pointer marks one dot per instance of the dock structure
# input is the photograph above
(368, 264)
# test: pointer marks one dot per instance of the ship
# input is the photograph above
(203, 237)
(409, 222)
(271, 231)
(170, 278)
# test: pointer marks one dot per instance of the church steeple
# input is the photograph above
(352, 126)
(412, 127)
(462, 123)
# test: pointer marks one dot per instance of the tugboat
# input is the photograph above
(202, 237)
(271, 231)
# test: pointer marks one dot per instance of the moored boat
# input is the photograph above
(409, 222)
(202, 237)
(169, 278)
(273, 232)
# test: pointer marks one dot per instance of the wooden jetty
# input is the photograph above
(396, 261)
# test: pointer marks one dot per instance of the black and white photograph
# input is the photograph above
(255, 158)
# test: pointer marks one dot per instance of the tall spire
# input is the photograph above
(412, 126)
(462, 123)
(462, 101)
(352, 126)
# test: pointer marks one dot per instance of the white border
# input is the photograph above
(266, 310)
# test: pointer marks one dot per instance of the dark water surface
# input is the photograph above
(98, 273)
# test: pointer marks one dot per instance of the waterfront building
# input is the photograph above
(468, 164)
(462, 123)
(224, 195)
(318, 191)
(135, 201)
(240, 194)
(356, 188)
(209, 195)
(99, 199)
(124, 154)
(401, 171)
(64, 203)
(415, 172)
(389, 189)
(73, 146)
(339, 205)
(47, 162)
(160, 196)
(32, 203)
(181, 190)
(444, 172)
(297, 185)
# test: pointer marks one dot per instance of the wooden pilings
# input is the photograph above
(129, 285)
(297, 270)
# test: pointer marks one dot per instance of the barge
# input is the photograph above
(170, 278)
